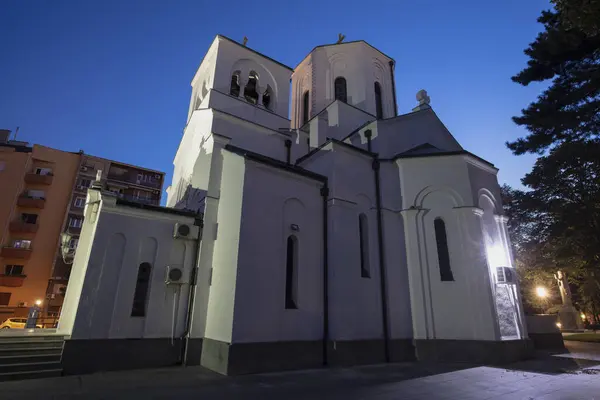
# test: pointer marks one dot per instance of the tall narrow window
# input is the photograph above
(442, 250)
(340, 89)
(234, 89)
(266, 99)
(250, 93)
(378, 103)
(140, 296)
(305, 105)
(291, 273)
(363, 231)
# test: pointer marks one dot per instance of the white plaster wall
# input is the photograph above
(225, 254)
(360, 64)
(273, 200)
(463, 308)
(124, 238)
(336, 121)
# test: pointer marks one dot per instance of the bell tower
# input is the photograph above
(353, 72)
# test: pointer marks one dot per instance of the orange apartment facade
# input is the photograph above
(42, 194)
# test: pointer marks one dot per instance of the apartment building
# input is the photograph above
(130, 182)
(36, 184)
(42, 194)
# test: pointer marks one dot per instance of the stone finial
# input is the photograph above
(245, 40)
(423, 100)
(340, 38)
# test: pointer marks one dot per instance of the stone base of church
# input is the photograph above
(547, 341)
(93, 355)
(473, 351)
(248, 358)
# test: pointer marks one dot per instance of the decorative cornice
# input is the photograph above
(501, 218)
(475, 210)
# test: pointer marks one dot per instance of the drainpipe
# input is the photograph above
(382, 270)
(393, 88)
(185, 338)
(325, 195)
(288, 146)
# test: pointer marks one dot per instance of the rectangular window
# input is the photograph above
(442, 249)
(363, 231)
(4, 298)
(79, 202)
(36, 194)
(140, 296)
(73, 243)
(291, 273)
(75, 222)
(29, 218)
(43, 171)
(13, 270)
(85, 183)
(22, 244)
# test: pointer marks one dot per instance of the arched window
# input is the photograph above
(250, 92)
(442, 250)
(378, 103)
(305, 106)
(291, 273)
(363, 231)
(140, 296)
(234, 89)
(266, 99)
(340, 89)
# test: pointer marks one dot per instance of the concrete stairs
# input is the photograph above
(26, 357)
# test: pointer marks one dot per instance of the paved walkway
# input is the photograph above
(547, 377)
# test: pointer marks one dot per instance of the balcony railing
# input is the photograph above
(31, 202)
(142, 200)
(154, 184)
(39, 179)
(16, 252)
(22, 226)
(12, 280)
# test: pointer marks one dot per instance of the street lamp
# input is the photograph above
(541, 292)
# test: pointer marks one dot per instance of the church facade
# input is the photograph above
(328, 231)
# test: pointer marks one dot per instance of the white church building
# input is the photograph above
(329, 231)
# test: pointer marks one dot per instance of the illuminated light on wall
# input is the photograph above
(496, 256)
(541, 291)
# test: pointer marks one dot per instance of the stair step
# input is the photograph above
(29, 343)
(43, 373)
(29, 358)
(29, 350)
(29, 366)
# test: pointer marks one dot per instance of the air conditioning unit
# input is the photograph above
(186, 231)
(506, 275)
(174, 276)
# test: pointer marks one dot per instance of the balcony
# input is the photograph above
(12, 280)
(23, 227)
(31, 202)
(15, 252)
(39, 179)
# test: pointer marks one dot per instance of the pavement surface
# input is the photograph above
(575, 374)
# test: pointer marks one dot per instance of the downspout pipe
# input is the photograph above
(191, 296)
(325, 195)
(393, 88)
(288, 146)
(382, 269)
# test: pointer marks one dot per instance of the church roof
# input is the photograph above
(255, 52)
(343, 43)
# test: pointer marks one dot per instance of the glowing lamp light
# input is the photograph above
(38, 302)
(496, 256)
(559, 325)
(582, 316)
(541, 291)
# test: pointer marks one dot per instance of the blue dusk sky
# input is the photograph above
(112, 77)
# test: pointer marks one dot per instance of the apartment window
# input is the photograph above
(79, 202)
(363, 231)
(140, 296)
(442, 249)
(378, 101)
(340, 89)
(43, 171)
(14, 270)
(4, 298)
(305, 107)
(85, 183)
(291, 273)
(36, 194)
(29, 218)
(73, 243)
(75, 222)
(22, 244)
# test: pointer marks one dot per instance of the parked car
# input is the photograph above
(15, 323)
